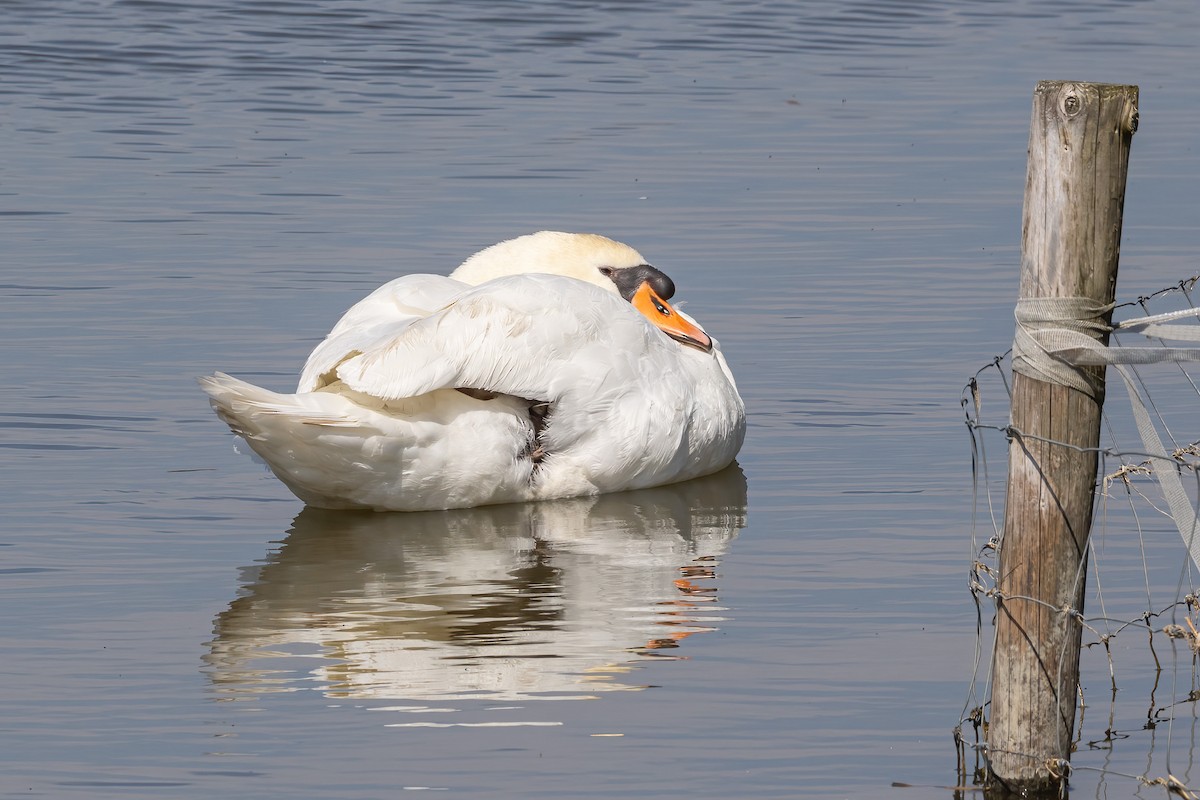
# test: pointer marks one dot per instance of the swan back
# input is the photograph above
(574, 255)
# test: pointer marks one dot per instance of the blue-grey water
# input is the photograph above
(834, 186)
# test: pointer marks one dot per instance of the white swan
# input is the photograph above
(528, 374)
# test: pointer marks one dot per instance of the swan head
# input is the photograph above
(595, 259)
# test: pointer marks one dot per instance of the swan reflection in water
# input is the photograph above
(553, 600)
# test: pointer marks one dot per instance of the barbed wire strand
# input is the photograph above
(1121, 466)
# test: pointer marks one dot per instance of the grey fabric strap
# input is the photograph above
(1051, 332)
(1056, 336)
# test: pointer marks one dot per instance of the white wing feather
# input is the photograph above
(375, 320)
(540, 337)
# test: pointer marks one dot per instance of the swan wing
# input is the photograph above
(534, 336)
(375, 320)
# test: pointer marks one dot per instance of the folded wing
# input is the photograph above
(541, 337)
(375, 320)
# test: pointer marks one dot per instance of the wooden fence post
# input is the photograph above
(1079, 140)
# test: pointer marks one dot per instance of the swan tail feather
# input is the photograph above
(250, 410)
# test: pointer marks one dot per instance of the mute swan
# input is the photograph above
(546, 366)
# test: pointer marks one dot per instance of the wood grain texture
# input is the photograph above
(1079, 142)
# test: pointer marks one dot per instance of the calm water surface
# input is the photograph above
(836, 189)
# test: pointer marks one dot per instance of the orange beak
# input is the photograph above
(667, 319)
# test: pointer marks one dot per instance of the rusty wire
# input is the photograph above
(1128, 484)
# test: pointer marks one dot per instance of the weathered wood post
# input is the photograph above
(1079, 141)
